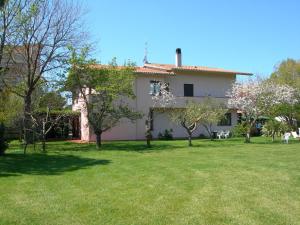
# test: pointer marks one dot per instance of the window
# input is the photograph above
(154, 87)
(226, 121)
(188, 90)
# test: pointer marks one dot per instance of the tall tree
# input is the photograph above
(287, 72)
(9, 22)
(105, 92)
(45, 30)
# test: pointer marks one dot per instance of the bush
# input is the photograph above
(239, 130)
(167, 135)
(3, 143)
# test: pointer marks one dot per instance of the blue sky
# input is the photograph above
(245, 35)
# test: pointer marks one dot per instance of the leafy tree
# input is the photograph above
(189, 118)
(11, 107)
(257, 98)
(287, 72)
(2, 2)
(212, 111)
(53, 100)
(105, 92)
(273, 127)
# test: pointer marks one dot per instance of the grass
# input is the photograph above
(219, 182)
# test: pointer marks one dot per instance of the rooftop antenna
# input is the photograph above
(145, 60)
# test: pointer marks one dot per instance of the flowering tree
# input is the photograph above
(162, 98)
(256, 98)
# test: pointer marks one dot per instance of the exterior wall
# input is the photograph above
(162, 122)
(205, 84)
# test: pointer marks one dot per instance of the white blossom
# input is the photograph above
(164, 97)
(255, 98)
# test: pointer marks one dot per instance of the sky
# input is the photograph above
(243, 35)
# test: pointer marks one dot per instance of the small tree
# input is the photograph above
(104, 91)
(162, 99)
(212, 111)
(273, 127)
(43, 122)
(189, 118)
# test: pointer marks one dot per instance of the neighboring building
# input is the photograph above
(185, 82)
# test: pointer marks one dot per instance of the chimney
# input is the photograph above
(178, 61)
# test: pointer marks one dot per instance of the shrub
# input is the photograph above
(239, 130)
(167, 135)
(3, 143)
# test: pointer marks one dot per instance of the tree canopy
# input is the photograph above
(104, 91)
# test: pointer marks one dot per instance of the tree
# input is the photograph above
(44, 31)
(287, 72)
(257, 98)
(189, 118)
(2, 2)
(162, 98)
(3, 143)
(105, 92)
(10, 108)
(212, 111)
(43, 122)
(53, 100)
(273, 127)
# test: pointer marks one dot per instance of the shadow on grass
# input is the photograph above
(43, 164)
(127, 146)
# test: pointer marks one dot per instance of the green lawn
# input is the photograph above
(219, 182)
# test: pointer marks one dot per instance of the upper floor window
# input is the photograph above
(226, 121)
(154, 87)
(188, 90)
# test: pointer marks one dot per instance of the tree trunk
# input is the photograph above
(148, 142)
(273, 136)
(148, 130)
(190, 140)
(247, 138)
(27, 121)
(44, 143)
(98, 140)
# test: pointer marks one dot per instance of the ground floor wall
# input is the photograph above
(127, 130)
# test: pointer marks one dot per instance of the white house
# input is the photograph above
(185, 82)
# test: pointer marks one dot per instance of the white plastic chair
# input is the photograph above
(295, 135)
(220, 134)
(286, 137)
(226, 134)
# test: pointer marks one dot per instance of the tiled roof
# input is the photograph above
(139, 69)
(154, 68)
(152, 71)
(171, 67)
